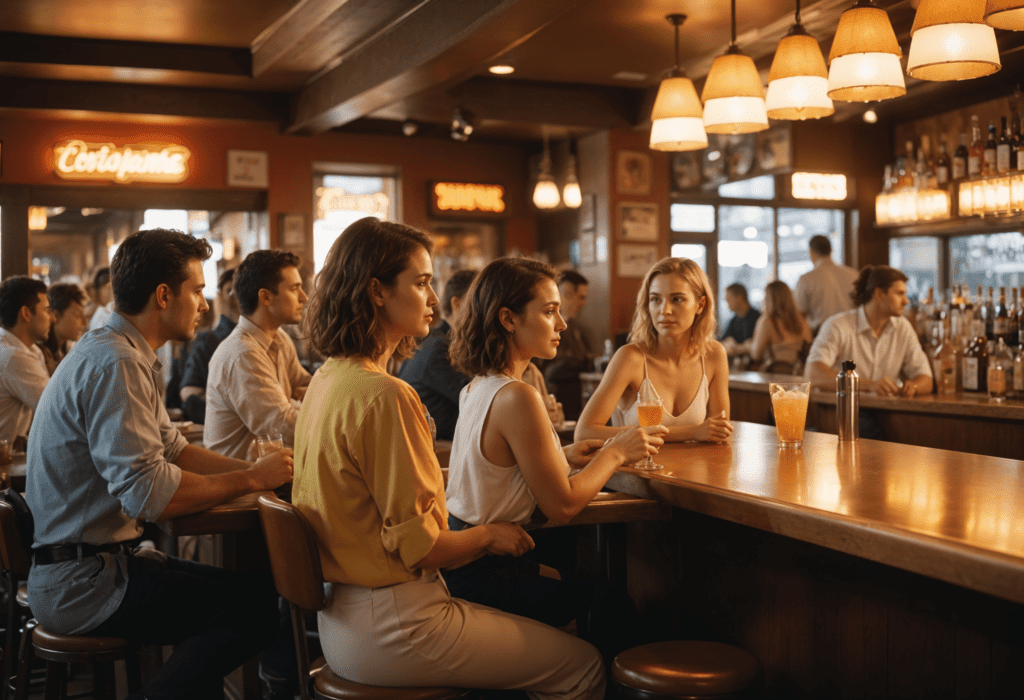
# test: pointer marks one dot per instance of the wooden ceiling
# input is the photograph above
(316, 65)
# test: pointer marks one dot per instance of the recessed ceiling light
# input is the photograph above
(502, 69)
(871, 116)
(630, 75)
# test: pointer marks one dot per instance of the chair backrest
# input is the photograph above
(13, 555)
(294, 557)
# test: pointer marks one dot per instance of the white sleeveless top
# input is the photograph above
(480, 491)
(695, 414)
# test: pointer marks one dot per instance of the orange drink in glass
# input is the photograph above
(789, 402)
(648, 413)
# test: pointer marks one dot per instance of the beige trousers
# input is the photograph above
(416, 634)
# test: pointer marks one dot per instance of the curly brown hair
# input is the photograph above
(480, 344)
(341, 318)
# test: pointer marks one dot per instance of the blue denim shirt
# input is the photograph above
(99, 461)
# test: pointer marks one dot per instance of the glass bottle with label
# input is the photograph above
(1000, 372)
(988, 313)
(1003, 150)
(942, 165)
(989, 166)
(1001, 320)
(974, 366)
(1011, 312)
(976, 153)
(1018, 373)
(944, 364)
(960, 159)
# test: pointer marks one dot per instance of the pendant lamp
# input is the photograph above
(733, 96)
(950, 41)
(1005, 14)
(677, 120)
(571, 193)
(545, 193)
(798, 79)
(864, 63)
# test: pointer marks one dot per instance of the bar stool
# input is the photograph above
(295, 562)
(57, 650)
(685, 669)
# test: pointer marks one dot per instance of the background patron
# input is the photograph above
(25, 316)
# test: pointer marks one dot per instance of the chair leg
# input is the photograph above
(26, 655)
(56, 680)
(133, 672)
(10, 634)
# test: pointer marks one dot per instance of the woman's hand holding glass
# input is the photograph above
(637, 443)
(714, 429)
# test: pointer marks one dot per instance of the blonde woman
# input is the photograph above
(672, 344)
(780, 333)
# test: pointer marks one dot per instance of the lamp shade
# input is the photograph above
(864, 63)
(1005, 14)
(677, 118)
(950, 41)
(545, 194)
(733, 96)
(798, 80)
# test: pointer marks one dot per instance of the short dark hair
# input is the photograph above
(480, 343)
(457, 286)
(15, 293)
(100, 278)
(874, 277)
(261, 269)
(225, 277)
(62, 295)
(341, 318)
(572, 277)
(820, 245)
(738, 290)
(147, 259)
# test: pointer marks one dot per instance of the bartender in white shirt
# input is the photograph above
(26, 318)
(875, 335)
(255, 383)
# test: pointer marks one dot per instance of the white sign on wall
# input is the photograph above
(248, 169)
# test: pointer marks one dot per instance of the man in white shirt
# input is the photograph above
(825, 290)
(26, 318)
(255, 382)
(876, 336)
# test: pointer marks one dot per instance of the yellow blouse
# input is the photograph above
(366, 475)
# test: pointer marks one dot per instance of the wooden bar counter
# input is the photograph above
(965, 422)
(862, 570)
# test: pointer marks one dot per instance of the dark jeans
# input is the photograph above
(515, 585)
(216, 620)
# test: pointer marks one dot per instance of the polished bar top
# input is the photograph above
(948, 515)
(972, 404)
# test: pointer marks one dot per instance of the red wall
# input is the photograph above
(28, 140)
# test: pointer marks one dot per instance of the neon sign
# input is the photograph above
(77, 160)
(819, 186)
(469, 197)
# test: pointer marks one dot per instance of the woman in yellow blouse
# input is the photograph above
(367, 479)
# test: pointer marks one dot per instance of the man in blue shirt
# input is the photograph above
(430, 372)
(103, 457)
(741, 326)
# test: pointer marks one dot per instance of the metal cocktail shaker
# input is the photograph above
(847, 402)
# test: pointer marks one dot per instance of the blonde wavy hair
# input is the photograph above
(702, 334)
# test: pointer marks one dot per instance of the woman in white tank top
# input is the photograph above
(506, 460)
(672, 344)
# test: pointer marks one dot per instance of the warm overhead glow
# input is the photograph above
(502, 69)
(1005, 14)
(677, 122)
(37, 218)
(545, 194)
(798, 80)
(871, 116)
(571, 194)
(864, 63)
(733, 96)
(950, 41)
(78, 160)
(818, 186)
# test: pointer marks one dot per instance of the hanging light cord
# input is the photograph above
(798, 11)
(677, 23)
(733, 43)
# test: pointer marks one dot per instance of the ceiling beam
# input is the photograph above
(440, 41)
(17, 47)
(22, 93)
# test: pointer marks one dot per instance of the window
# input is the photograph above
(695, 218)
(990, 260)
(746, 252)
(346, 193)
(762, 187)
(795, 228)
(697, 252)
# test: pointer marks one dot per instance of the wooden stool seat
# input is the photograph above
(50, 644)
(330, 685)
(686, 669)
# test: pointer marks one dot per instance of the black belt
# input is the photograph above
(54, 553)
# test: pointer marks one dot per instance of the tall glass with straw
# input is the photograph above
(649, 409)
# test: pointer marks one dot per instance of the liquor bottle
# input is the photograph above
(887, 179)
(921, 171)
(1011, 312)
(1000, 372)
(978, 315)
(911, 162)
(988, 167)
(1018, 372)
(988, 313)
(974, 366)
(960, 159)
(1003, 150)
(1001, 320)
(976, 153)
(942, 166)
(944, 365)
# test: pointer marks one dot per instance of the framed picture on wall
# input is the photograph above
(293, 230)
(635, 259)
(638, 221)
(588, 212)
(633, 172)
